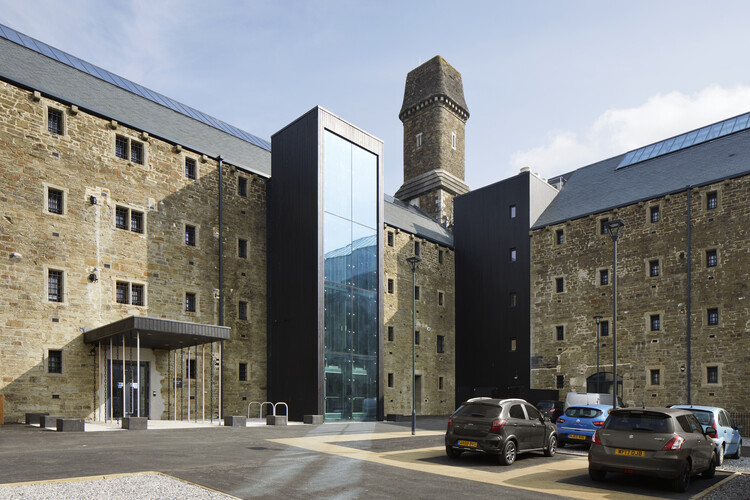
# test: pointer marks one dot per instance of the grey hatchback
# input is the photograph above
(668, 443)
(501, 427)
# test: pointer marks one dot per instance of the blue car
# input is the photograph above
(728, 440)
(578, 423)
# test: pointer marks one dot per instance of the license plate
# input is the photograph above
(576, 436)
(470, 444)
(630, 453)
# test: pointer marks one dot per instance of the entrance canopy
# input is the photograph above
(157, 333)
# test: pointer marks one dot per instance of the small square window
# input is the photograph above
(513, 299)
(121, 217)
(513, 344)
(190, 168)
(55, 121)
(712, 374)
(512, 211)
(243, 372)
(242, 186)
(390, 380)
(242, 248)
(390, 285)
(190, 302)
(136, 152)
(121, 147)
(55, 286)
(603, 277)
(390, 334)
(712, 316)
(603, 226)
(559, 381)
(712, 258)
(417, 248)
(54, 362)
(416, 337)
(654, 214)
(512, 255)
(55, 201)
(190, 368)
(121, 292)
(712, 200)
(441, 383)
(242, 311)
(653, 268)
(440, 344)
(559, 285)
(560, 332)
(440, 256)
(390, 238)
(559, 236)
(137, 295)
(604, 329)
(190, 238)
(441, 299)
(416, 293)
(655, 377)
(136, 222)
(655, 322)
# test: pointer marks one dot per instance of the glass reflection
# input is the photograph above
(364, 187)
(337, 175)
(364, 257)
(337, 249)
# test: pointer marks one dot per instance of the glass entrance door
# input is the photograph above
(130, 391)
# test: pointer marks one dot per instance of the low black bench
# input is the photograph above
(49, 420)
(235, 421)
(33, 418)
(70, 425)
(135, 423)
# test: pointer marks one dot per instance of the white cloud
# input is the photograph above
(617, 131)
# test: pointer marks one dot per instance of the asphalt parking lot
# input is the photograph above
(357, 460)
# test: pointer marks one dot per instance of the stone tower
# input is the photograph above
(434, 115)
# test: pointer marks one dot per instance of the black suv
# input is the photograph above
(502, 427)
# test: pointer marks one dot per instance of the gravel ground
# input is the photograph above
(131, 487)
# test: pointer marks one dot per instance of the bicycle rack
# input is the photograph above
(264, 403)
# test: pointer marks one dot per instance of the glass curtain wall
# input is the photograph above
(350, 189)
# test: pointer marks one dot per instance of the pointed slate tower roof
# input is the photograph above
(435, 78)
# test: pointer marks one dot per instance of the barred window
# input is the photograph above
(440, 344)
(440, 256)
(712, 200)
(712, 258)
(712, 374)
(441, 298)
(559, 236)
(136, 221)
(137, 295)
(190, 302)
(654, 212)
(390, 333)
(559, 285)
(559, 381)
(129, 150)
(190, 168)
(136, 152)
(655, 377)
(55, 201)
(243, 372)
(242, 248)
(653, 268)
(242, 311)
(713, 316)
(121, 292)
(121, 147)
(55, 121)
(390, 238)
(190, 368)
(417, 248)
(390, 285)
(603, 226)
(416, 293)
(121, 217)
(441, 383)
(242, 186)
(560, 332)
(604, 277)
(55, 286)
(54, 362)
(416, 337)
(604, 329)
(390, 380)
(655, 323)
(190, 238)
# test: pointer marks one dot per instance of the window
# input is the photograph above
(126, 218)
(121, 218)
(655, 377)
(512, 255)
(242, 186)
(441, 299)
(190, 368)
(512, 211)
(390, 238)
(390, 376)
(55, 201)
(242, 310)
(712, 316)
(513, 344)
(512, 299)
(416, 337)
(559, 382)
(190, 168)
(603, 226)
(453, 140)
(560, 332)
(712, 258)
(136, 221)
(712, 200)
(441, 383)
(603, 277)
(417, 248)
(654, 214)
(559, 236)
(604, 329)
(242, 248)
(121, 147)
(190, 302)
(128, 149)
(416, 293)
(121, 292)
(559, 285)
(516, 411)
(54, 362)
(136, 152)
(419, 140)
(55, 286)
(655, 323)
(55, 121)
(390, 285)
(440, 344)
(137, 294)
(653, 268)
(190, 237)
(390, 334)
(243, 372)
(712, 374)
(440, 256)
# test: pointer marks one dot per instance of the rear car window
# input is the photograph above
(653, 422)
(533, 414)
(516, 412)
(690, 424)
(704, 417)
(578, 412)
(478, 411)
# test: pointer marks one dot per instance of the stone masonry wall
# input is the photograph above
(436, 123)
(724, 347)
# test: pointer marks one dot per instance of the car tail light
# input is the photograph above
(595, 439)
(561, 420)
(450, 422)
(598, 424)
(713, 424)
(675, 443)
(498, 424)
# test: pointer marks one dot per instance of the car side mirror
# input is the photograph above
(711, 432)
(545, 418)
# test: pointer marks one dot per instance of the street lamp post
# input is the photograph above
(598, 320)
(413, 261)
(613, 227)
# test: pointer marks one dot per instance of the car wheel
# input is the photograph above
(738, 453)
(551, 448)
(711, 471)
(508, 455)
(682, 482)
(721, 455)
(452, 452)
(597, 475)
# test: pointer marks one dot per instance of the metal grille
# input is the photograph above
(711, 258)
(54, 362)
(242, 186)
(136, 222)
(55, 201)
(190, 168)
(243, 311)
(55, 121)
(137, 295)
(190, 302)
(190, 235)
(121, 292)
(121, 147)
(136, 152)
(55, 286)
(121, 218)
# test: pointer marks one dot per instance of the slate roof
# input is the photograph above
(434, 78)
(35, 65)
(601, 186)
(413, 220)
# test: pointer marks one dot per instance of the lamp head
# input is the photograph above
(613, 228)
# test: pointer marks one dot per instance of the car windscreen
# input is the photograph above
(545, 405)
(649, 422)
(704, 417)
(582, 412)
(478, 411)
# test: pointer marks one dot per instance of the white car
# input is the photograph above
(728, 440)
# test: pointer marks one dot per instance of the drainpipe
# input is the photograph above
(687, 307)
(221, 279)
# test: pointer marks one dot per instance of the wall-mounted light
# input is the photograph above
(92, 199)
(93, 278)
(15, 257)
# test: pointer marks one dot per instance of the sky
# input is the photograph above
(550, 85)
